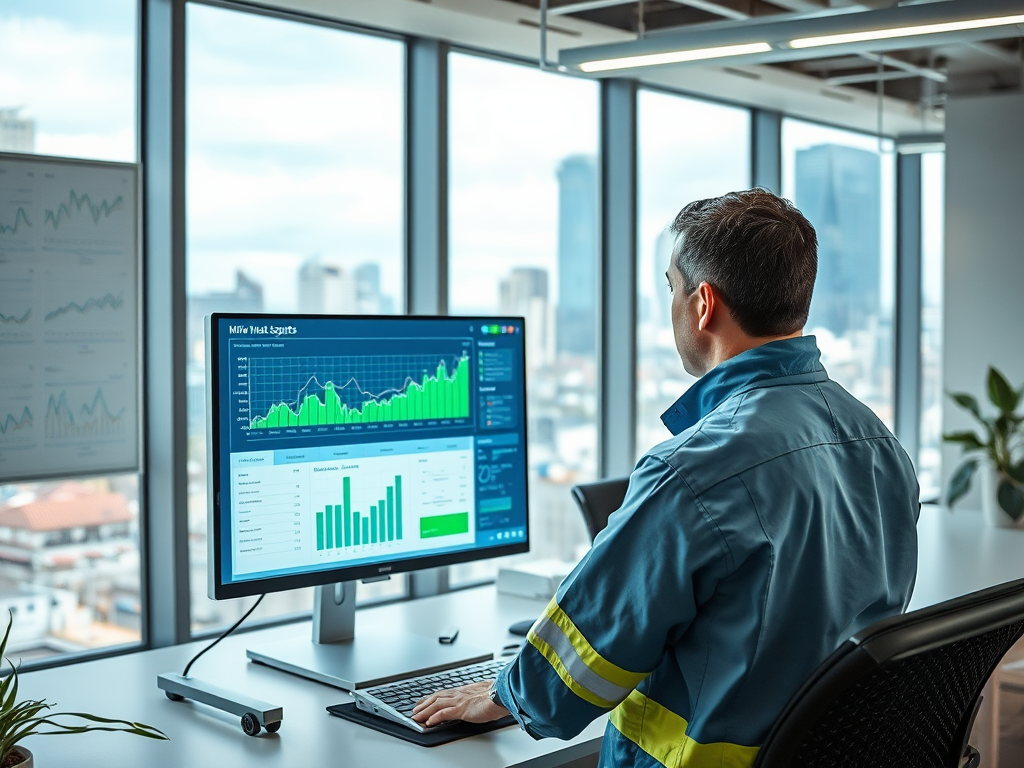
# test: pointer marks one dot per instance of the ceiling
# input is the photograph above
(919, 76)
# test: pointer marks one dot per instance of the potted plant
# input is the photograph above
(19, 720)
(999, 452)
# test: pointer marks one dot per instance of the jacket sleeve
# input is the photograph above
(632, 596)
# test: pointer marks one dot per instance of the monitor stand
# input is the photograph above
(338, 656)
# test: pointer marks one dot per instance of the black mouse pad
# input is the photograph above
(434, 738)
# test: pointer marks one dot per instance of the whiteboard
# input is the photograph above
(69, 317)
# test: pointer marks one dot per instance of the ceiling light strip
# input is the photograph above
(673, 57)
(922, 29)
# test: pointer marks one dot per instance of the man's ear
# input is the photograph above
(707, 305)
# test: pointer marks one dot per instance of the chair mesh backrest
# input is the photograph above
(907, 713)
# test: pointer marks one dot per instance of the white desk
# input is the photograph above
(961, 553)
(958, 555)
(125, 687)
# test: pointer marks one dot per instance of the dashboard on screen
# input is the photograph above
(366, 444)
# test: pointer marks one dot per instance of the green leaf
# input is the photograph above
(7, 634)
(139, 729)
(960, 482)
(968, 403)
(1017, 471)
(1011, 498)
(1002, 395)
(969, 440)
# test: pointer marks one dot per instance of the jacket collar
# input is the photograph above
(789, 361)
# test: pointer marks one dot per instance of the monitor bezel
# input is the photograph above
(248, 588)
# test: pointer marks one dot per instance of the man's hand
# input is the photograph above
(470, 703)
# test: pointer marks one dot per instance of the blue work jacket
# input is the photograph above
(778, 521)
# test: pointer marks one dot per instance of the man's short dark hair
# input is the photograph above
(758, 251)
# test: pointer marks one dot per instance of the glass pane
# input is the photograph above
(69, 548)
(67, 78)
(933, 215)
(844, 183)
(69, 565)
(295, 204)
(686, 150)
(524, 241)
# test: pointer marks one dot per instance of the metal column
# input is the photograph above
(165, 524)
(617, 401)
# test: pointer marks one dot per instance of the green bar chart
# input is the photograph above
(340, 527)
(444, 394)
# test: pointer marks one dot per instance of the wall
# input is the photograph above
(984, 273)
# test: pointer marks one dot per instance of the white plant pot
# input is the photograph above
(28, 762)
(994, 514)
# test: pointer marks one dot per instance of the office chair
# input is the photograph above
(598, 500)
(902, 693)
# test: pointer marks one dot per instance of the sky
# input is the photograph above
(510, 128)
(71, 66)
(687, 150)
(295, 150)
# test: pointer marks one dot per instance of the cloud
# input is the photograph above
(79, 85)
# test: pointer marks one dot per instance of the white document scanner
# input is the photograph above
(538, 579)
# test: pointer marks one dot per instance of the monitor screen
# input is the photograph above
(344, 448)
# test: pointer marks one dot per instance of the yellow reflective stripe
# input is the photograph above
(549, 653)
(661, 733)
(595, 661)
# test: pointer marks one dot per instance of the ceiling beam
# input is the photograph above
(905, 66)
(996, 52)
(801, 6)
(771, 38)
(714, 8)
(872, 77)
(586, 5)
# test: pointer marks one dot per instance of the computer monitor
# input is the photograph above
(353, 447)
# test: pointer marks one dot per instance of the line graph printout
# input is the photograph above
(69, 341)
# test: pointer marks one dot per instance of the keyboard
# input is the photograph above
(395, 701)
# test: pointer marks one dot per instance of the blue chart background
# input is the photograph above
(359, 377)
(425, 341)
(422, 341)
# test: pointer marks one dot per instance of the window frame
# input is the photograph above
(160, 146)
(74, 657)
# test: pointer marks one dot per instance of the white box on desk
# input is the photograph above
(538, 579)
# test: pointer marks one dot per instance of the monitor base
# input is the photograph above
(337, 656)
(367, 660)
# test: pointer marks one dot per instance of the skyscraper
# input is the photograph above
(17, 134)
(524, 293)
(838, 188)
(325, 289)
(369, 299)
(577, 255)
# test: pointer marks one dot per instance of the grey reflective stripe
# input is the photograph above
(553, 635)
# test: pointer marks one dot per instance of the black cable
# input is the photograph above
(231, 629)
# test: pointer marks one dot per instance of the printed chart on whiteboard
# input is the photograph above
(68, 318)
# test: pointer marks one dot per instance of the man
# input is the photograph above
(779, 520)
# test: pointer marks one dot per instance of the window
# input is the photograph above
(844, 183)
(686, 150)
(929, 462)
(524, 240)
(295, 204)
(67, 78)
(69, 548)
